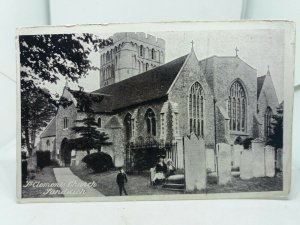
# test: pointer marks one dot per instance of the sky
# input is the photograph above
(258, 48)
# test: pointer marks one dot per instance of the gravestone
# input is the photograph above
(270, 161)
(258, 163)
(237, 151)
(194, 163)
(210, 159)
(246, 171)
(224, 163)
(279, 159)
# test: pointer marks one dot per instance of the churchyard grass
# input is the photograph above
(139, 184)
(46, 175)
(106, 183)
(239, 185)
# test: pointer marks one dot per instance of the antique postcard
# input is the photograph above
(155, 111)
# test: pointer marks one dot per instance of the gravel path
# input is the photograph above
(73, 186)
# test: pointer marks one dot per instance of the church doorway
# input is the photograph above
(65, 153)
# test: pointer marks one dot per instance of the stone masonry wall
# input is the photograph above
(179, 93)
(267, 98)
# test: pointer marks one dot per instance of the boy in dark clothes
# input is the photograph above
(121, 180)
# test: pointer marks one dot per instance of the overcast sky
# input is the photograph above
(258, 48)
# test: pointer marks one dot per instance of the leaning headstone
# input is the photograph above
(258, 158)
(237, 151)
(279, 159)
(246, 165)
(270, 161)
(194, 162)
(224, 163)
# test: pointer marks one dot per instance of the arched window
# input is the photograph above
(99, 122)
(66, 122)
(196, 109)
(112, 70)
(152, 53)
(237, 107)
(141, 50)
(267, 121)
(128, 126)
(147, 66)
(150, 122)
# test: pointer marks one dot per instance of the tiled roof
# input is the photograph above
(50, 129)
(150, 85)
(260, 82)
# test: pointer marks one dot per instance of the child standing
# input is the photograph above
(121, 180)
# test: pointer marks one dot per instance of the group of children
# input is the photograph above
(162, 171)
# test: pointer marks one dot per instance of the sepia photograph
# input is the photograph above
(155, 111)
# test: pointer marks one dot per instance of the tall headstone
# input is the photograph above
(224, 163)
(258, 158)
(195, 163)
(270, 161)
(246, 171)
(237, 151)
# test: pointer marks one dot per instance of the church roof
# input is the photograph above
(50, 130)
(150, 85)
(260, 82)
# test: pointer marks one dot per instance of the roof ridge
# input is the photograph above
(147, 86)
(140, 74)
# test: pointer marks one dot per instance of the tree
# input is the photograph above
(36, 112)
(90, 138)
(46, 59)
(276, 137)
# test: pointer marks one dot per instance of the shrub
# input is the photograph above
(98, 161)
(247, 143)
(43, 159)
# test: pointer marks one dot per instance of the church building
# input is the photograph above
(145, 100)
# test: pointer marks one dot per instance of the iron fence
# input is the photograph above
(141, 157)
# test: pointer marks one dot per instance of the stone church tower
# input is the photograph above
(130, 54)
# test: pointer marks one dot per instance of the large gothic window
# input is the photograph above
(196, 109)
(237, 107)
(128, 126)
(150, 122)
(267, 121)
